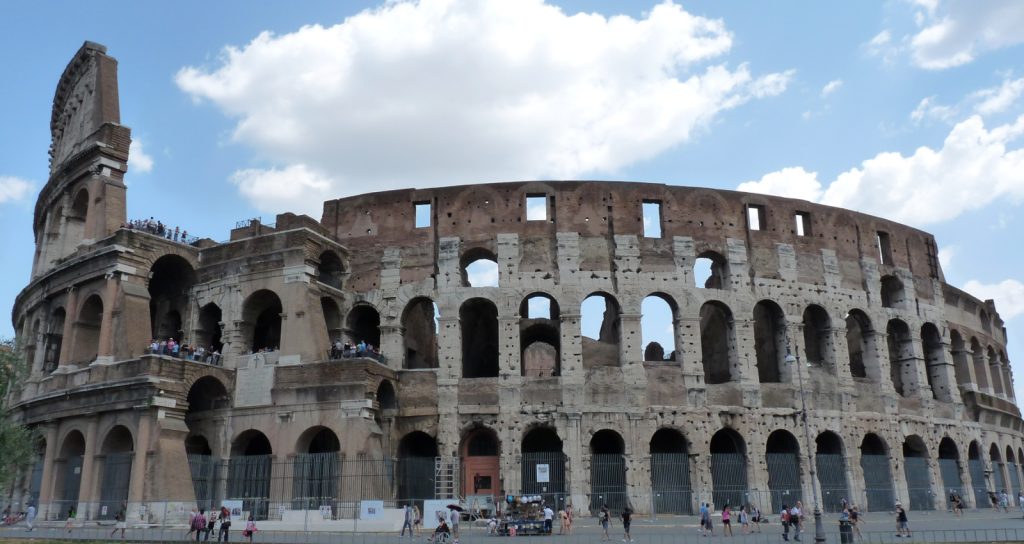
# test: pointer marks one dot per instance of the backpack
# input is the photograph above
(785, 516)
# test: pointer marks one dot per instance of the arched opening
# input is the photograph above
(892, 292)
(830, 466)
(387, 400)
(115, 472)
(481, 463)
(543, 466)
(478, 319)
(949, 468)
(261, 320)
(207, 393)
(976, 467)
(919, 480)
(607, 471)
(817, 336)
(995, 372)
(330, 270)
(980, 368)
(419, 338)
(29, 339)
(197, 445)
(540, 336)
(998, 469)
(878, 482)
(961, 363)
(670, 473)
(717, 341)
(769, 341)
(728, 468)
(658, 328)
(332, 323)
(249, 472)
(87, 330)
(935, 362)
(901, 358)
(417, 453)
(35, 483)
(54, 339)
(860, 341)
(75, 221)
(985, 320)
(209, 333)
(479, 268)
(170, 280)
(69, 477)
(1011, 470)
(710, 271)
(601, 329)
(363, 324)
(782, 455)
(317, 469)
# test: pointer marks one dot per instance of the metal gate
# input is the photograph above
(376, 477)
(36, 481)
(998, 477)
(670, 483)
(203, 469)
(919, 483)
(416, 478)
(977, 470)
(728, 478)
(877, 482)
(72, 481)
(608, 481)
(315, 480)
(783, 479)
(950, 471)
(553, 465)
(831, 469)
(1014, 478)
(249, 481)
(117, 474)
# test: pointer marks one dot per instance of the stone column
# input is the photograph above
(390, 345)
(998, 387)
(573, 449)
(70, 316)
(88, 491)
(136, 485)
(689, 352)
(106, 344)
(47, 481)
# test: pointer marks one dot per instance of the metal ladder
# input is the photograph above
(446, 476)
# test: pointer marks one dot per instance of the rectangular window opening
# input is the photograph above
(652, 218)
(884, 248)
(803, 223)
(422, 214)
(536, 208)
(755, 217)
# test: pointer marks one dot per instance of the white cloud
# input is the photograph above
(13, 189)
(789, 182)
(831, 87)
(880, 45)
(295, 188)
(139, 160)
(1008, 295)
(928, 109)
(965, 30)
(974, 167)
(998, 99)
(946, 255)
(454, 91)
(482, 273)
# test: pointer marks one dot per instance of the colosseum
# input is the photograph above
(321, 363)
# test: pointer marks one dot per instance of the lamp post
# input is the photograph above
(819, 530)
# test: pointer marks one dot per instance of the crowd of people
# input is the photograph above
(198, 353)
(153, 226)
(346, 350)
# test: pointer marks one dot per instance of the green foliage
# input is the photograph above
(17, 442)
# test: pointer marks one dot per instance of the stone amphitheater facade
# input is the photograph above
(909, 391)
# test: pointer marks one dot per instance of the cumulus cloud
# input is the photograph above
(455, 91)
(998, 99)
(294, 188)
(927, 108)
(13, 189)
(140, 161)
(831, 87)
(946, 255)
(1008, 295)
(974, 167)
(964, 29)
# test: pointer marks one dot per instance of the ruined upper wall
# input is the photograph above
(600, 210)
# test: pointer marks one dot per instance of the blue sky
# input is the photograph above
(911, 110)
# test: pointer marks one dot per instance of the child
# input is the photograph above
(250, 529)
(71, 519)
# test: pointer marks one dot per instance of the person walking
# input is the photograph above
(627, 519)
(755, 518)
(225, 524)
(191, 523)
(30, 517)
(745, 520)
(603, 518)
(211, 523)
(955, 502)
(199, 524)
(784, 520)
(796, 518)
(549, 516)
(71, 519)
(726, 520)
(455, 517)
(120, 524)
(855, 518)
(416, 520)
(705, 519)
(407, 521)
(902, 525)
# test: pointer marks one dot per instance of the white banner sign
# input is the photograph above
(543, 474)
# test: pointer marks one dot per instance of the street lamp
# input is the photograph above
(819, 530)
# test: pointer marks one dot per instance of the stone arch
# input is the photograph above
(875, 465)
(976, 467)
(901, 357)
(918, 473)
(602, 350)
(728, 468)
(892, 292)
(478, 320)
(607, 471)
(540, 336)
(115, 471)
(479, 268)
(670, 472)
(387, 398)
(481, 458)
(980, 368)
(769, 341)
(416, 476)
(710, 270)
(659, 314)
(994, 372)
(717, 342)
(860, 341)
(317, 468)
(949, 468)
(207, 393)
(782, 456)
(332, 323)
(830, 466)
(935, 362)
(171, 278)
(86, 330)
(54, 339)
(69, 477)
(818, 348)
(419, 333)
(1013, 484)
(362, 324)
(330, 269)
(995, 457)
(250, 470)
(261, 320)
(76, 220)
(541, 445)
(211, 319)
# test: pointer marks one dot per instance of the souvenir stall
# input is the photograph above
(523, 516)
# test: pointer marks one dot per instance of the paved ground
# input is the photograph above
(983, 526)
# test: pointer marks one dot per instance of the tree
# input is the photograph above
(17, 442)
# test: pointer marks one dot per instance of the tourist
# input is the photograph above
(627, 519)
(755, 518)
(120, 524)
(416, 520)
(225, 524)
(1020, 501)
(549, 516)
(569, 518)
(855, 518)
(71, 519)
(902, 525)
(199, 524)
(191, 523)
(250, 529)
(796, 519)
(406, 521)
(705, 519)
(442, 532)
(603, 517)
(1004, 500)
(211, 522)
(784, 520)
(455, 515)
(561, 522)
(30, 517)
(745, 520)
(726, 520)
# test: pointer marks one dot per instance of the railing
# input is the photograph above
(158, 228)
